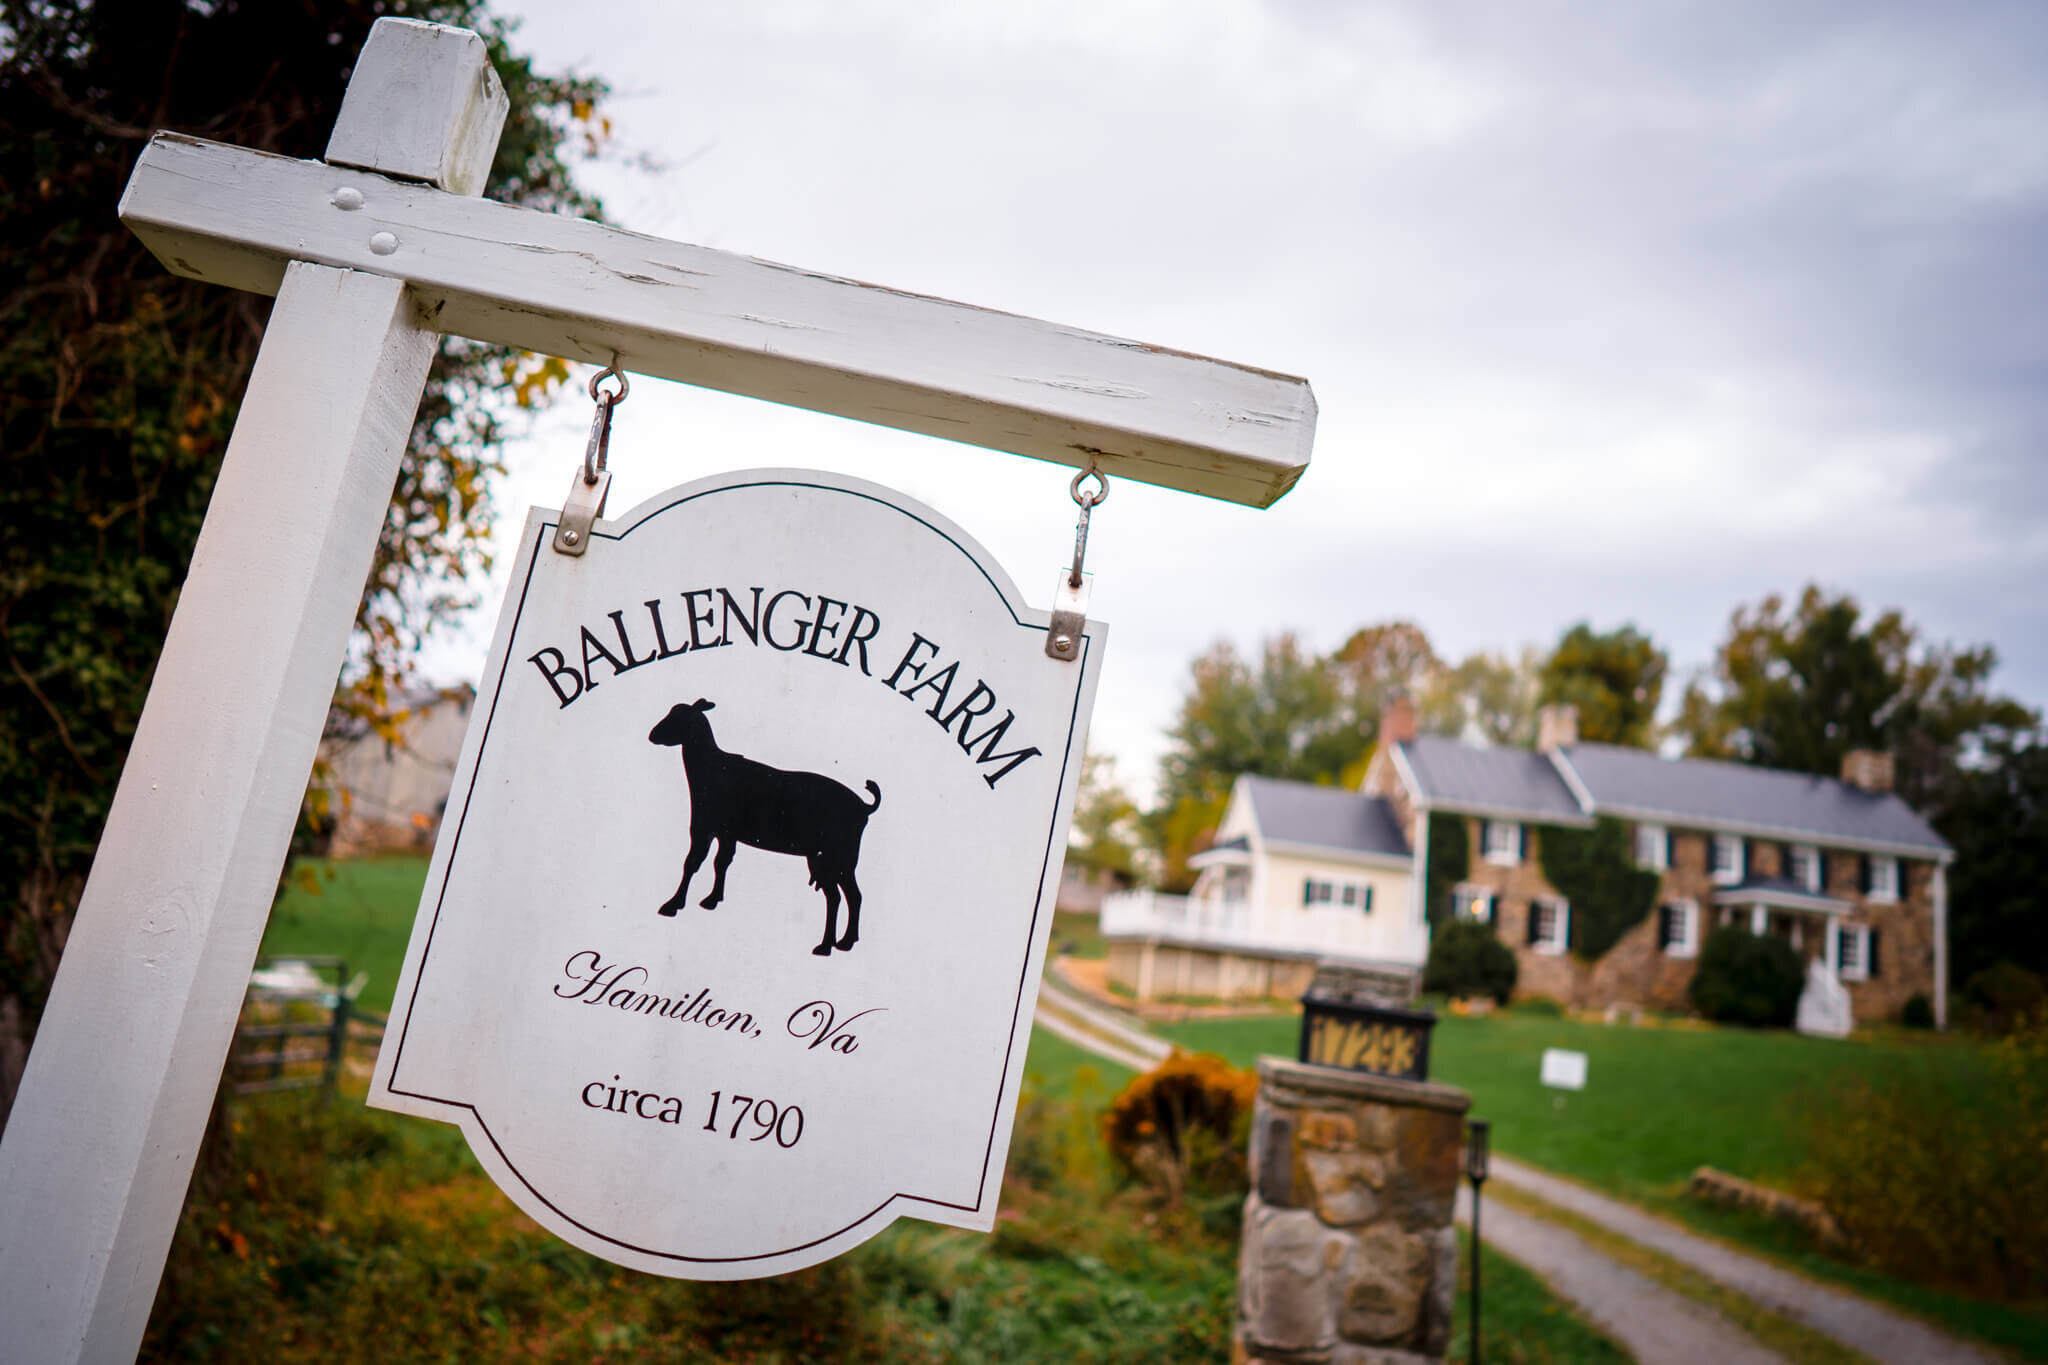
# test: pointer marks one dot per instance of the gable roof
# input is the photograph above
(1734, 796)
(1303, 814)
(1513, 784)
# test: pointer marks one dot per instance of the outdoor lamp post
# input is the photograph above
(1475, 1171)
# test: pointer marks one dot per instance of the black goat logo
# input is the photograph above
(738, 801)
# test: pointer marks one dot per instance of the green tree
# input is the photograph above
(1800, 687)
(123, 383)
(1106, 831)
(1492, 694)
(1615, 678)
(1995, 812)
(1288, 717)
(1291, 717)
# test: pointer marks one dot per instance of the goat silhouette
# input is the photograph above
(735, 800)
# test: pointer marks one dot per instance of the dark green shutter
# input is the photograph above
(1522, 847)
(1367, 907)
(1871, 969)
(1863, 873)
(1670, 849)
(1667, 916)
(1308, 891)
(1744, 863)
(1531, 935)
(1823, 856)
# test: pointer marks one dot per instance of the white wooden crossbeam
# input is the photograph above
(582, 290)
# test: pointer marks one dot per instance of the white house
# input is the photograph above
(1298, 873)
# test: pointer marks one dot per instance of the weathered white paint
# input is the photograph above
(113, 1103)
(422, 104)
(99, 1148)
(562, 286)
(923, 749)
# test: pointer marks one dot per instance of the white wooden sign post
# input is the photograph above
(373, 254)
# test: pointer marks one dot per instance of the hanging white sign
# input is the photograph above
(731, 941)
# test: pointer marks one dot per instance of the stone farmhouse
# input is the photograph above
(1842, 869)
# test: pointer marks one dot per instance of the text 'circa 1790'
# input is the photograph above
(809, 625)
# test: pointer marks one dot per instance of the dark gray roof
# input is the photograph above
(1774, 887)
(1508, 781)
(1325, 817)
(1699, 791)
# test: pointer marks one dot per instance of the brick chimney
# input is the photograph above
(1397, 719)
(1557, 727)
(1868, 770)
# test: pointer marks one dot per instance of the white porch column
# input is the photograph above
(1759, 920)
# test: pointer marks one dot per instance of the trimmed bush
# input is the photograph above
(1918, 1011)
(1466, 958)
(1746, 978)
(1181, 1127)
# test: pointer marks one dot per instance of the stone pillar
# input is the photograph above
(1348, 1255)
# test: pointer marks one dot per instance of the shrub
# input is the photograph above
(1918, 1011)
(2004, 997)
(1466, 958)
(1540, 1005)
(1935, 1172)
(1182, 1126)
(1746, 978)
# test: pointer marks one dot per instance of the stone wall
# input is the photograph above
(1156, 969)
(1349, 1257)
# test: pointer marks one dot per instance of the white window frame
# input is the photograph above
(1554, 943)
(1732, 874)
(1859, 934)
(1653, 846)
(1805, 868)
(1885, 890)
(1473, 902)
(1511, 856)
(1687, 942)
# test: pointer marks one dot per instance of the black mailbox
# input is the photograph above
(1356, 1019)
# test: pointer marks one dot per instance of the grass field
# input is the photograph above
(333, 1219)
(1658, 1102)
(362, 914)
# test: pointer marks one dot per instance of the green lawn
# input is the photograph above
(1658, 1102)
(1078, 1278)
(362, 914)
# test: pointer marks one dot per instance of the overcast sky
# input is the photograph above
(1625, 313)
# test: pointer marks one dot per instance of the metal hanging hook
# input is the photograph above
(595, 454)
(587, 490)
(1087, 502)
(1070, 604)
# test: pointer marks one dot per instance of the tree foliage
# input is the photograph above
(1105, 834)
(1595, 870)
(123, 383)
(1615, 678)
(1995, 813)
(1799, 686)
(1491, 696)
